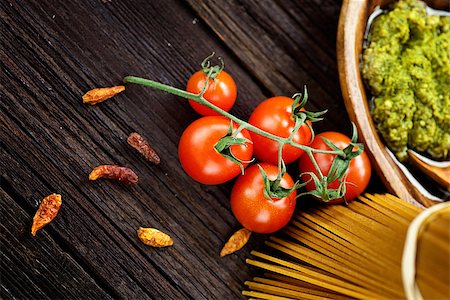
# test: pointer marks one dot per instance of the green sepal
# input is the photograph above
(313, 135)
(212, 70)
(322, 191)
(300, 101)
(229, 155)
(223, 147)
(272, 188)
(341, 162)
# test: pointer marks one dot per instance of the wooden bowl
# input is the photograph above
(350, 36)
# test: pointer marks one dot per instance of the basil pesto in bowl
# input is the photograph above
(406, 66)
(391, 125)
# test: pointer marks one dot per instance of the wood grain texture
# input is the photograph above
(53, 52)
(285, 45)
(41, 264)
(52, 141)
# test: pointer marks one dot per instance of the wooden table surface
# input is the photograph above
(53, 52)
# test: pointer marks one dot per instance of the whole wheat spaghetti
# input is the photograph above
(337, 252)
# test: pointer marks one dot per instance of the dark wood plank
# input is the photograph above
(52, 141)
(285, 44)
(38, 263)
(54, 51)
(103, 255)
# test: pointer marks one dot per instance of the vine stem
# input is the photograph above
(242, 124)
(316, 166)
(280, 160)
(237, 131)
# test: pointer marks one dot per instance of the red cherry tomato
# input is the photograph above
(358, 173)
(274, 116)
(221, 92)
(200, 159)
(252, 209)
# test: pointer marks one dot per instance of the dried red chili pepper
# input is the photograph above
(236, 241)
(136, 141)
(122, 174)
(47, 211)
(153, 237)
(101, 94)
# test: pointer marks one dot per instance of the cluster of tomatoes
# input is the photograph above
(249, 201)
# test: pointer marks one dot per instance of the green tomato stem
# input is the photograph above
(240, 128)
(201, 100)
(280, 160)
(316, 166)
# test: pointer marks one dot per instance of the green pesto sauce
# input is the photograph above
(407, 68)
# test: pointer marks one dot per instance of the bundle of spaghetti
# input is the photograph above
(355, 251)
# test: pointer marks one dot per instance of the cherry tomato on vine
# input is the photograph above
(252, 209)
(201, 160)
(221, 92)
(358, 173)
(274, 115)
